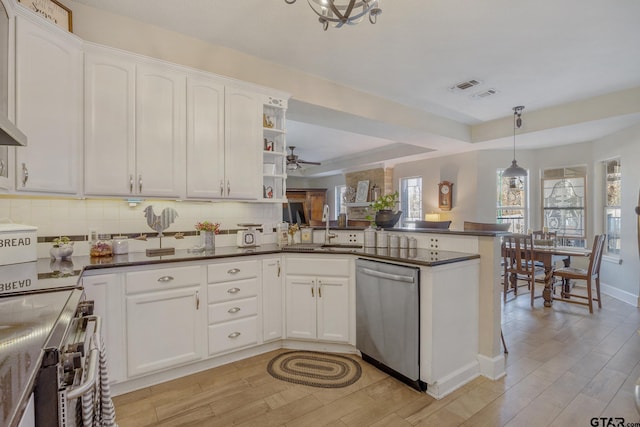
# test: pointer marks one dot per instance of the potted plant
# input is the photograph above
(208, 230)
(62, 247)
(383, 207)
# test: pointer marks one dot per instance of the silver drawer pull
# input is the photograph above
(165, 279)
(233, 310)
(234, 335)
(234, 271)
(233, 290)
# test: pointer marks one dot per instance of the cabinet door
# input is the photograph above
(160, 131)
(48, 108)
(315, 201)
(243, 144)
(205, 138)
(105, 290)
(272, 299)
(109, 136)
(164, 329)
(333, 308)
(301, 307)
(5, 181)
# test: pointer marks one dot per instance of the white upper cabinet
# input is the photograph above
(48, 108)
(109, 134)
(134, 126)
(205, 137)
(243, 161)
(160, 131)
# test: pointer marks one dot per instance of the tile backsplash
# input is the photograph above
(66, 216)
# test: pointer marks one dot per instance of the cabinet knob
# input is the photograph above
(197, 300)
(233, 290)
(165, 279)
(233, 271)
(228, 188)
(234, 335)
(1, 167)
(131, 184)
(140, 183)
(233, 310)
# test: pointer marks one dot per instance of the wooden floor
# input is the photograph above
(564, 367)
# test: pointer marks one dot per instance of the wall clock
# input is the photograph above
(52, 11)
(445, 192)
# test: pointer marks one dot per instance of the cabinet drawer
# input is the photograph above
(162, 278)
(229, 335)
(228, 271)
(318, 266)
(232, 290)
(232, 310)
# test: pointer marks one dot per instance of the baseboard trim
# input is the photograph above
(455, 380)
(492, 367)
(620, 295)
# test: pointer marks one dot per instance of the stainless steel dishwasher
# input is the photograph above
(388, 319)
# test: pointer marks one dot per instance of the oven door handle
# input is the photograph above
(94, 358)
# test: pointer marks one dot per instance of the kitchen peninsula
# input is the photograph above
(134, 301)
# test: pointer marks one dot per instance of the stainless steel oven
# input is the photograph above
(50, 352)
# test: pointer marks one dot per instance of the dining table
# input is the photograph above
(548, 255)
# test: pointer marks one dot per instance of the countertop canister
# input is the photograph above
(120, 245)
(369, 237)
(382, 239)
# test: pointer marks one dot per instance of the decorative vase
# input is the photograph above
(208, 239)
(62, 251)
(385, 218)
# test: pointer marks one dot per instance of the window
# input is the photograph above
(512, 206)
(411, 199)
(612, 202)
(563, 204)
(339, 202)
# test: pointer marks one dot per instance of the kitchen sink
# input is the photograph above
(318, 247)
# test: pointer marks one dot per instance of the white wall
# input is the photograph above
(626, 145)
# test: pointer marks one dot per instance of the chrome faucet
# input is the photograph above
(325, 217)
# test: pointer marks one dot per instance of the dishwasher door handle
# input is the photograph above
(382, 275)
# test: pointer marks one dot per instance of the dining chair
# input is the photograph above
(519, 264)
(591, 275)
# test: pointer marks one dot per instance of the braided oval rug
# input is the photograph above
(314, 369)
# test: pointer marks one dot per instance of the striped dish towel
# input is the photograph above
(97, 406)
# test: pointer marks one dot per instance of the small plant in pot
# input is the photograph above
(384, 207)
(62, 247)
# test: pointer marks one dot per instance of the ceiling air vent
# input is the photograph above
(462, 86)
(484, 94)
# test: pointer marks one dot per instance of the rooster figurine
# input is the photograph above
(160, 222)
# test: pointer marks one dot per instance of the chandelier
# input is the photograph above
(340, 12)
(514, 170)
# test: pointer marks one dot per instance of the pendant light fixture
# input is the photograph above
(514, 170)
(340, 12)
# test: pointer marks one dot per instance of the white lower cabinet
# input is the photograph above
(164, 318)
(233, 301)
(105, 291)
(317, 306)
(272, 299)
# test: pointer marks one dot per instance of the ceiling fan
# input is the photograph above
(294, 163)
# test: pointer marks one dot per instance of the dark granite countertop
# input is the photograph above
(76, 264)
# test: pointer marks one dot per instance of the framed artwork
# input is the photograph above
(362, 192)
(52, 11)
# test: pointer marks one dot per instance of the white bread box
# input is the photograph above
(18, 243)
